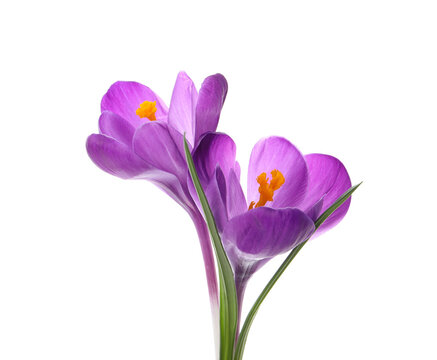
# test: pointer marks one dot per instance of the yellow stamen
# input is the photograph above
(265, 189)
(147, 110)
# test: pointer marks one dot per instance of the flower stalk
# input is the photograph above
(228, 296)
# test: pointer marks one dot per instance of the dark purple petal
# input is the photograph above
(264, 232)
(124, 98)
(181, 115)
(277, 153)
(155, 145)
(115, 158)
(212, 95)
(115, 126)
(216, 194)
(252, 239)
(214, 149)
(328, 179)
(235, 201)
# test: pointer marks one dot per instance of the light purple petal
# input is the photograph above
(277, 153)
(115, 126)
(237, 170)
(118, 159)
(265, 232)
(115, 158)
(235, 201)
(155, 145)
(124, 98)
(172, 186)
(314, 211)
(328, 179)
(181, 115)
(212, 95)
(214, 149)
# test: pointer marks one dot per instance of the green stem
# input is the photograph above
(251, 315)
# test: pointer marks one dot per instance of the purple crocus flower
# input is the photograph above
(141, 138)
(286, 192)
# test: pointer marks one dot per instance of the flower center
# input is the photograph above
(147, 110)
(265, 189)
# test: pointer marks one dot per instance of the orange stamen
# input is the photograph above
(267, 190)
(147, 110)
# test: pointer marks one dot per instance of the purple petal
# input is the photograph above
(155, 145)
(216, 194)
(124, 98)
(115, 158)
(172, 186)
(314, 211)
(118, 159)
(212, 95)
(118, 128)
(235, 200)
(181, 114)
(214, 149)
(265, 232)
(328, 179)
(252, 239)
(277, 153)
(237, 170)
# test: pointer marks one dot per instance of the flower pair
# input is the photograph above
(140, 138)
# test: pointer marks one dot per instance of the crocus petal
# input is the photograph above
(237, 170)
(214, 149)
(124, 98)
(328, 179)
(216, 194)
(181, 114)
(314, 211)
(155, 145)
(115, 126)
(235, 200)
(277, 153)
(212, 95)
(115, 158)
(253, 238)
(171, 185)
(265, 232)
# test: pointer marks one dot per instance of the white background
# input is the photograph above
(93, 267)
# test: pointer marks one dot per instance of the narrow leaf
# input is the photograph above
(228, 295)
(239, 350)
(335, 205)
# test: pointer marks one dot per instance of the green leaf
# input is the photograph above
(335, 206)
(239, 350)
(228, 294)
